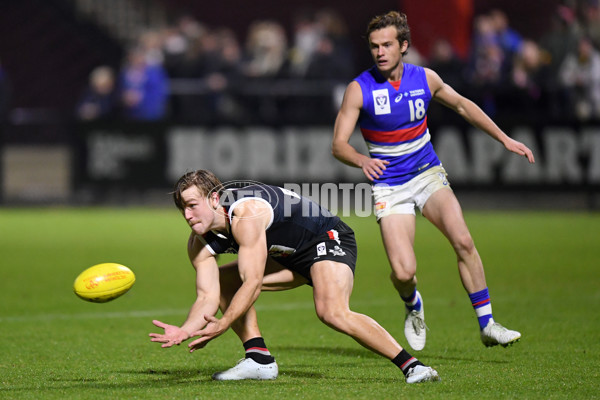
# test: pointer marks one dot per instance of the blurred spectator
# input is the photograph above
(151, 43)
(306, 35)
(266, 50)
(451, 69)
(556, 44)
(144, 88)
(486, 63)
(591, 21)
(580, 76)
(5, 93)
(508, 39)
(524, 97)
(447, 64)
(99, 99)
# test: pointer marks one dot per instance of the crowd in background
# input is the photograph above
(192, 72)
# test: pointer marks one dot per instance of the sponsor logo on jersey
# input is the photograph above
(417, 92)
(398, 98)
(381, 99)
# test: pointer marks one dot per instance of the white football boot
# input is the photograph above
(247, 368)
(494, 334)
(415, 328)
(422, 373)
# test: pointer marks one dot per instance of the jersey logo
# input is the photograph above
(381, 99)
(398, 98)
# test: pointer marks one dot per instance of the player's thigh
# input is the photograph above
(278, 278)
(444, 211)
(398, 234)
(332, 286)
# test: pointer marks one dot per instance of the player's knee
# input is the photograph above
(403, 273)
(331, 316)
(464, 244)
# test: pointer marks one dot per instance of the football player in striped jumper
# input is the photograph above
(282, 240)
(389, 102)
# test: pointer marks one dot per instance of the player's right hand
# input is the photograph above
(173, 335)
(373, 168)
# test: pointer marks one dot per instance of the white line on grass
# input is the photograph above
(160, 312)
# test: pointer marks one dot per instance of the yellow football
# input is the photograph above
(103, 282)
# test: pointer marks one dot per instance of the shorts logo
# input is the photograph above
(337, 251)
(443, 178)
(380, 205)
(333, 235)
(381, 99)
(321, 249)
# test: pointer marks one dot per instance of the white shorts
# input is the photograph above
(402, 199)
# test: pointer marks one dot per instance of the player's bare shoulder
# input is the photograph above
(434, 81)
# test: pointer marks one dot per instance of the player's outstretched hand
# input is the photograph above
(173, 334)
(214, 328)
(520, 149)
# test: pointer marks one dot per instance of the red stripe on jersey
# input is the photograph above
(401, 135)
(331, 235)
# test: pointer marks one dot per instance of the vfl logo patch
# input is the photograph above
(321, 249)
(381, 98)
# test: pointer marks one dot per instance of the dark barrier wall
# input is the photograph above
(154, 156)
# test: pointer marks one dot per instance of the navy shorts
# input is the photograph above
(337, 244)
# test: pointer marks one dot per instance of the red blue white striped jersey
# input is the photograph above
(394, 123)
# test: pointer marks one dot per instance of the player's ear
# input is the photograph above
(403, 46)
(214, 200)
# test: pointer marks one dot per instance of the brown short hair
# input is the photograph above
(392, 18)
(204, 180)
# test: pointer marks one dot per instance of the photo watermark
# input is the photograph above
(304, 199)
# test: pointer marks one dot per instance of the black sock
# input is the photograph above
(256, 349)
(405, 361)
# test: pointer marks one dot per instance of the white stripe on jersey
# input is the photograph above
(399, 149)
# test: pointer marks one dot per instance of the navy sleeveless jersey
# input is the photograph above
(394, 123)
(295, 221)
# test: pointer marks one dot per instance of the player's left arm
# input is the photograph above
(446, 95)
(249, 224)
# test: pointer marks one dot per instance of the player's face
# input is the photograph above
(385, 48)
(199, 211)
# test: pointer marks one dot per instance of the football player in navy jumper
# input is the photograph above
(389, 103)
(282, 240)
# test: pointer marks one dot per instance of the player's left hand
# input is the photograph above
(520, 149)
(214, 328)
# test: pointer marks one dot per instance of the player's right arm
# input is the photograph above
(345, 124)
(207, 296)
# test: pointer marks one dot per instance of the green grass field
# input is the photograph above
(542, 270)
